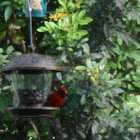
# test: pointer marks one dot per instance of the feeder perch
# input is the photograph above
(31, 80)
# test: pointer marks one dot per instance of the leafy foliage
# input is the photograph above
(66, 31)
(106, 65)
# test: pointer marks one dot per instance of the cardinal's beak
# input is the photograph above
(66, 97)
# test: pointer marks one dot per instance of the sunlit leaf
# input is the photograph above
(59, 75)
(81, 14)
(42, 29)
(89, 63)
(5, 3)
(7, 13)
(82, 32)
(85, 20)
(80, 68)
(62, 2)
(83, 100)
(9, 49)
(86, 48)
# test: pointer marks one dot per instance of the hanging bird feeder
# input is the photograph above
(31, 81)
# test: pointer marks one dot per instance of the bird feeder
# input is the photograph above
(39, 8)
(31, 80)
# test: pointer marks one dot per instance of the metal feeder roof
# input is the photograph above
(32, 61)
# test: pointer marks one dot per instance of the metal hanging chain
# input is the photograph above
(30, 17)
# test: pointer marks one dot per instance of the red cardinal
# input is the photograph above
(57, 98)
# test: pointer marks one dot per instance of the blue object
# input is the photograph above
(45, 6)
(38, 13)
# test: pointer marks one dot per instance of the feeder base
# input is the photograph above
(30, 112)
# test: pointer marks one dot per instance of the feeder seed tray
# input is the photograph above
(33, 111)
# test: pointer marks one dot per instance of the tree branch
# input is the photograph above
(34, 127)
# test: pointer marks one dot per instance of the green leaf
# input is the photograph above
(62, 2)
(130, 87)
(116, 50)
(112, 65)
(53, 25)
(70, 42)
(70, 49)
(93, 78)
(43, 44)
(60, 41)
(84, 40)
(117, 90)
(59, 48)
(138, 99)
(47, 24)
(137, 45)
(1, 50)
(82, 135)
(64, 57)
(85, 21)
(107, 30)
(128, 77)
(103, 61)
(75, 27)
(95, 127)
(71, 5)
(3, 26)
(135, 55)
(21, 22)
(5, 3)
(137, 84)
(81, 14)
(59, 75)
(42, 29)
(3, 35)
(80, 68)
(82, 32)
(133, 130)
(119, 65)
(83, 100)
(7, 13)
(9, 49)
(4, 57)
(16, 53)
(74, 17)
(32, 134)
(120, 41)
(86, 48)
(137, 29)
(59, 23)
(68, 19)
(89, 63)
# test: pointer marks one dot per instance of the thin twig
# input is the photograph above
(14, 122)
(34, 127)
(72, 59)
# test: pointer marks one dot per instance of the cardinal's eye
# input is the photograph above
(63, 95)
